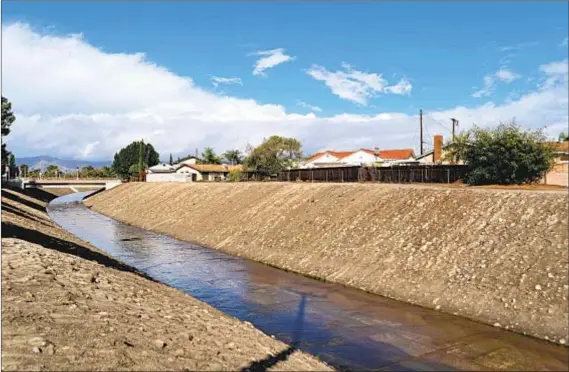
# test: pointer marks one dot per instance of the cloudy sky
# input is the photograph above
(88, 78)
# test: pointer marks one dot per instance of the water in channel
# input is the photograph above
(347, 328)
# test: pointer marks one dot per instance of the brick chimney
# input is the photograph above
(437, 148)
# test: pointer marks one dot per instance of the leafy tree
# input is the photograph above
(52, 170)
(504, 155)
(563, 137)
(7, 119)
(108, 172)
(33, 173)
(209, 156)
(7, 116)
(454, 150)
(130, 155)
(234, 175)
(135, 169)
(12, 161)
(233, 156)
(24, 169)
(274, 155)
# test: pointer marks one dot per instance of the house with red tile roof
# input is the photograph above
(331, 158)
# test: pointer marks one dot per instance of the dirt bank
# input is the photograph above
(497, 256)
(68, 306)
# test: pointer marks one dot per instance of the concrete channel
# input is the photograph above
(347, 328)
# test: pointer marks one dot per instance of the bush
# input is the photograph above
(505, 155)
(234, 175)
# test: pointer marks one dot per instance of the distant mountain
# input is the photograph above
(37, 162)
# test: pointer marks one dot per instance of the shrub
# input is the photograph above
(504, 155)
(234, 175)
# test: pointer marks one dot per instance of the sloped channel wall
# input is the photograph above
(496, 256)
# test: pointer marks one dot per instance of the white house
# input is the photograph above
(189, 171)
(165, 173)
(359, 157)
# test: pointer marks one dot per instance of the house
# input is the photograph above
(209, 172)
(165, 173)
(438, 155)
(189, 171)
(358, 157)
(560, 151)
(559, 174)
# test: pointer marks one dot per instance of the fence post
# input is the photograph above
(448, 175)
(398, 175)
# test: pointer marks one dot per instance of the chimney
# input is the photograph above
(437, 148)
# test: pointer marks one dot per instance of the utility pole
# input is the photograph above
(421, 123)
(454, 125)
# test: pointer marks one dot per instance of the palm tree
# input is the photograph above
(209, 156)
(233, 156)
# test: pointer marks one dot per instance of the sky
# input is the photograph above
(87, 78)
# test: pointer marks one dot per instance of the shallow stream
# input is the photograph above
(344, 327)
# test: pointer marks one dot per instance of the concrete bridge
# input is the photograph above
(74, 184)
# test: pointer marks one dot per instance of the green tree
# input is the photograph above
(233, 156)
(24, 169)
(563, 137)
(234, 175)
(7, 119)
(130, 155)
(454, 150)
(171, 160)
(87, 171)
(209, 156)
(135, 169)
(274, 155)
(504, 155)
(52, 170)
(108, 172)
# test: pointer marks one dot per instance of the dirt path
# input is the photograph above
(68, 306)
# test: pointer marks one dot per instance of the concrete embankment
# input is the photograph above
(68, 306)
(496, 256)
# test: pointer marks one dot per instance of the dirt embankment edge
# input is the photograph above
(495, 256)
(68, 306)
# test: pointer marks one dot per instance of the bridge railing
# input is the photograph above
(69, 179)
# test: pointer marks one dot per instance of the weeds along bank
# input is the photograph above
(497, 256)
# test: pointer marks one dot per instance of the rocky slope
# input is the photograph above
(497, 256)
(68, 306)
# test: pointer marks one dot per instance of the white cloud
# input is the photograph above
(308, 106)
(518, 46)
(357, 86)
(272, 58)
(403, 87)
(73, 100)
(503, 74)
(487, 89)
(564, 42)
(555, 73)
(507, 76)
(216, 81)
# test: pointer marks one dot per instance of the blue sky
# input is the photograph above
(444, 52)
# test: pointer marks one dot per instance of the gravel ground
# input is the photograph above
(68, 306)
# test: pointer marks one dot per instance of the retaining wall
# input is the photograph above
(496, 256)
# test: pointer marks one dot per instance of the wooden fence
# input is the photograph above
(393, 174)
(253, 176)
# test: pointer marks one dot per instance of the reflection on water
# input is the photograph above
(347, 328)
